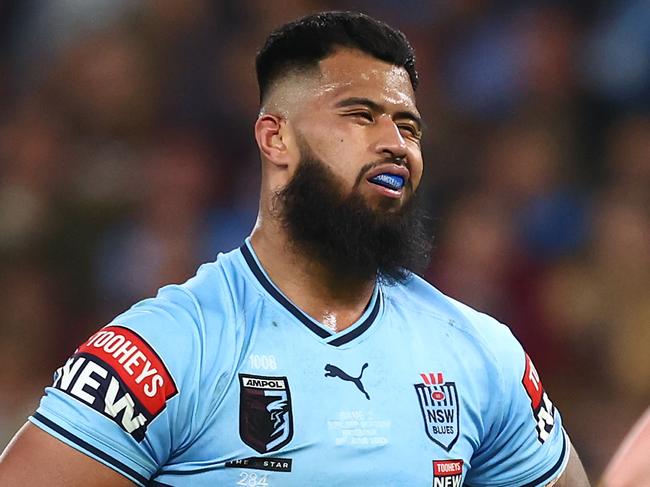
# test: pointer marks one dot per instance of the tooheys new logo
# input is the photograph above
(447, 473)
(119, 375)
(543, 409)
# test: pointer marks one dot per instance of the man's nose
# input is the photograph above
(389, 142)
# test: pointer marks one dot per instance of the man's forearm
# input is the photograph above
(574, 474)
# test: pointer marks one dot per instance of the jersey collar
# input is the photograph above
(332, 338)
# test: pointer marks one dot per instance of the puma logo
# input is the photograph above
(334, 371)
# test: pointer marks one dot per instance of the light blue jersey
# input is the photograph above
(222, 381)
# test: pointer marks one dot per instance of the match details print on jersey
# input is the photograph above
(119, 375)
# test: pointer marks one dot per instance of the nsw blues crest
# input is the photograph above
(265, 417)
(439, 405)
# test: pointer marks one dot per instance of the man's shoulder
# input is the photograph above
(216, 280)
(214, 290)
(188, 316)
(419, 295)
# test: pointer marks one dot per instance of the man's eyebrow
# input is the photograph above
(376, 107)
(356, 100)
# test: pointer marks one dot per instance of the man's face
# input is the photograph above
(350, 202)
(361, 121)
(344, 232)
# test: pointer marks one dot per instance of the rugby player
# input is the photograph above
(312, 355)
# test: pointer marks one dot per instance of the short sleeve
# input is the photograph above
(124, 396)
(526, 445)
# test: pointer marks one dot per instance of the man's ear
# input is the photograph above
(273, 139)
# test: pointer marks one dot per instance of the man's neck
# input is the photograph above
(330, 297)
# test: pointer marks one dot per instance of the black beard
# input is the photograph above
(344, 234)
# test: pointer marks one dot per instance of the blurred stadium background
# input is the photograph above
(127, 158)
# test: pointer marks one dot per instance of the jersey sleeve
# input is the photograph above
(525, 444)
(125, 397)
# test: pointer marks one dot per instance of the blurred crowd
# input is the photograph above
(127, 159)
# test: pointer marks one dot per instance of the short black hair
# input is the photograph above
(301, 44)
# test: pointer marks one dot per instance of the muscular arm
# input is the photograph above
(35, 457)
(574, 474)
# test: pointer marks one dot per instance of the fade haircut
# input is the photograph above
(301, 44)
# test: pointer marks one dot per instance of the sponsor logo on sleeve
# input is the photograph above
(119, 375)
(439, 405)
(543, 409)
(447, 473)
(265, 418)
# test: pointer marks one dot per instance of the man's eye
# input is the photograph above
(410, 129)
(363, 115)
